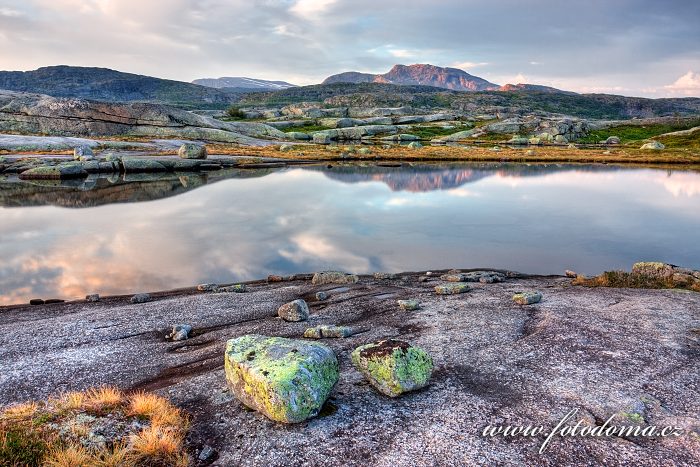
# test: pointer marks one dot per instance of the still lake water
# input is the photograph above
(109, 238)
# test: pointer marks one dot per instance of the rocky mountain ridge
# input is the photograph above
(242, 82)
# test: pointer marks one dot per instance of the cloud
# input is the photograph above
(402, 53)
(311, 9)
(469, 65)
(688, 84)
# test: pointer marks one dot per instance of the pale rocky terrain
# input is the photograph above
(626, 352)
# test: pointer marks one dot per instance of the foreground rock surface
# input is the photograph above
(286, 380)
(604, 351)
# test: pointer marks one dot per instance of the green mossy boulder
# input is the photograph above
(286, 380)
(527, 298)
(452, 289)
(393, 367)
(334, 277)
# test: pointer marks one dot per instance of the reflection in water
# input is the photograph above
(532, 218)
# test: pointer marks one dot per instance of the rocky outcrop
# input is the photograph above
(44, 115)
(353, 133)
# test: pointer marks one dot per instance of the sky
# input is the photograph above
(630, 47)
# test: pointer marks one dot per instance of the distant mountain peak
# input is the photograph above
(243, 82)
(419, 74)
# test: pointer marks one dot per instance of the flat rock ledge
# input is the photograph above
(630, 354)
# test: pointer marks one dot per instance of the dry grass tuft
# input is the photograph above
(71, 456)
(28, 439)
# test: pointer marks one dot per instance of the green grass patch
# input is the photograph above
(430, 132)
(309, 127)
(637, 133)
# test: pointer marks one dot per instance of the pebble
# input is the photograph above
(141, 298)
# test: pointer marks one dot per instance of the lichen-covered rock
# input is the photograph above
(334, 277)
(83, 153)
(286, 380)
(297, 310)
(328, 330)
(653, 145)
(612, 140)
(571, 274)
(384, 275)
(408, 305)
(393, 367)
(666, 274)
(527, 298)
(298, 135)
(454, 277)
(141, 164)
(54, 172)
(207, 287)
(236, 288)
(519, 141)
(452, 289)
(415, 145)
(141, 298)
(286, 147)
(192, 151)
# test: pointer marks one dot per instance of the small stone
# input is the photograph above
(415, 145)
(393, 367)
(192, 151)
(327, 331)
(653, 145)
(408, 305)
(296, 310)
(287, 380)
(334, 277)
(454, 277)
(286, 147)
(452, 289)
(206, 453)
(423, 279)
(180, 332)
(527, 298)
(93, 297)
(384, 275)
(83, 153)
(571, 274)
(237, 288)
(321, 296)
(207, 287)
(141, 298)
(36, 301)
(274, 278)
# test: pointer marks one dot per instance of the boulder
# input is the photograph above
(320, 296)
(296, 310)
(415, 145)
(393, 367)
(286, 380)
(322, 138)
(92, 297)
(653, 145)
(327, 331)
(208, 287)
(408, 305)
(451, 289)
(236, 288)
(55, 172)
(527, 298)
(83, 153)
(192, 151)
(612, 140)
(141, 165)
(298, 135)
(180, 332)
(384, 275)
(334, 277)
(505, 127)
(141, 298)
(519, 141)
(286, 147)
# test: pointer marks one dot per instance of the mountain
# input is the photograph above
(103, 84)
(242, 82)
(532, 87)
(422, 75)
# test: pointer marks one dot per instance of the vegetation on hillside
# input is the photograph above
(638, 133)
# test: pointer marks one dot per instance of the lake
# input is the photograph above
(114, 236)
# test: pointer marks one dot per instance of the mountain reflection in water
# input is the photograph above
(165, 231)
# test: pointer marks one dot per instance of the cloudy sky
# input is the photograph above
(631, 47)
